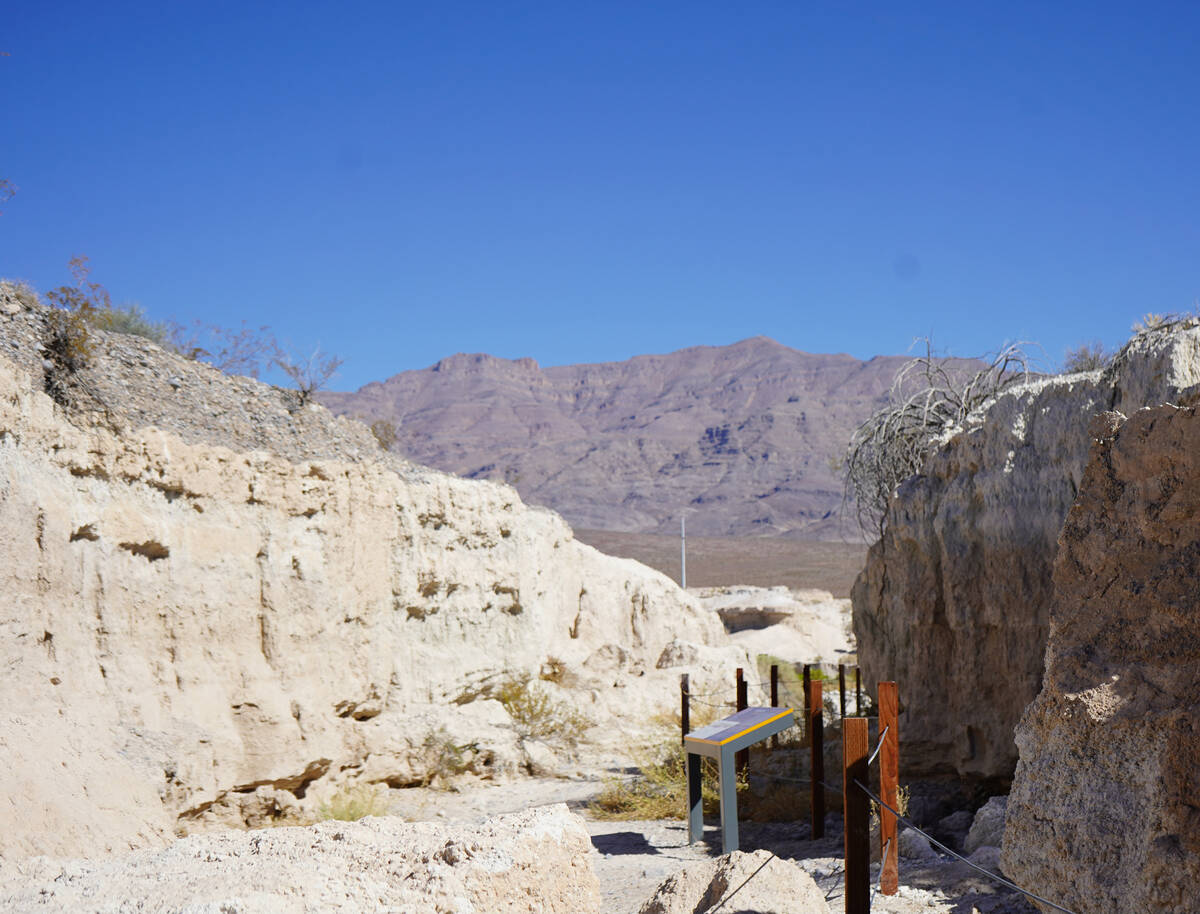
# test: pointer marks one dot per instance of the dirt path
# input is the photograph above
(632, 858)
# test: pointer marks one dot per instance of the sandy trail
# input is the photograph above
(633, 857)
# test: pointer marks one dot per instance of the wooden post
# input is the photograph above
(685, 715)
(816, 738)
(856, 810)
(743, 757)
(842, 687)
(807, 680)
(857, 692)
(775, 698)
(889, 783)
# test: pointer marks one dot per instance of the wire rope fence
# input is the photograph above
(855, 791)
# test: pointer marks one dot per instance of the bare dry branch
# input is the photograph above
(930, 397)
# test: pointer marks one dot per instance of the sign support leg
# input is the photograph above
(695, 800)
(729, 822)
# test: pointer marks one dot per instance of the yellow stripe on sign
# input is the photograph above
(740, 733)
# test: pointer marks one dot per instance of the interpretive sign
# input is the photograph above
(721, 741)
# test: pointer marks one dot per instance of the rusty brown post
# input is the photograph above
(889, 783)
(842, 687)
(856, 810)
(742, 760)
(685, 722)
(775, 698)
(857, 692)
(815, 726)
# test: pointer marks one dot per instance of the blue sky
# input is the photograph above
(586, 182)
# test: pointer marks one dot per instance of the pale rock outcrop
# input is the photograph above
(535, 861)
(801, 626)
(777, 886)
(954, 601)
(195, 635)
(913, 845)
(1103, 817)
(987, 830)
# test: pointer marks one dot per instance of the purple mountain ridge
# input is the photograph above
(744, 438)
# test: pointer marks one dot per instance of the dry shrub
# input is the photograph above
(1086, 357)
(930, 397)
(385, 433)
(537, 715)
(353, 802)
(444, 758)
(659, 790)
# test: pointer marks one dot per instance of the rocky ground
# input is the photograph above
(633, 857)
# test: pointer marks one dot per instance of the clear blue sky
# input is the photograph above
(588, 181)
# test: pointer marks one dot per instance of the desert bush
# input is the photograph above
(537, 715)
(1152, 321)
(308, 373)
(903, 795)
(659, 790)
(1086, 357)
(20, 291)
(385, 432)
(353, 802)
(929, 398)
(243, 351)
(75, 310)
(133, 320)
(444, 758)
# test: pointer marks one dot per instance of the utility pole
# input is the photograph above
(683, 552)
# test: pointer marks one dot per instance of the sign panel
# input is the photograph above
(736, 725)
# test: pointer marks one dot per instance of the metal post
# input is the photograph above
(774, 697)
(889, 783)
(857, 692)
(856, 810)
(807, 680)
(683, 553)
(685, 722)
(695, 799)
(842, 687)
(816, 737)
(743, 757)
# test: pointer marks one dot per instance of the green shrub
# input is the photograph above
(131, 319)
(353, 802)
(444, 758)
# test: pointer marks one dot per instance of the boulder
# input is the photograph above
(954, 601)
(775, 886)
(1102, 816)
(988, 826)
(915, 846)
(533, 861)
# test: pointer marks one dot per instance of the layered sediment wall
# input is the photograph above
(954, 602)
(195, 632)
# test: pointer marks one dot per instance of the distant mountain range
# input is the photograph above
(743, 438)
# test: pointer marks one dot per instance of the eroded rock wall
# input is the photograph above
(1103, 815)
(954, 601)
(189, 632)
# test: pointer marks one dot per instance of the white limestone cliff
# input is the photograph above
(194, 634)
